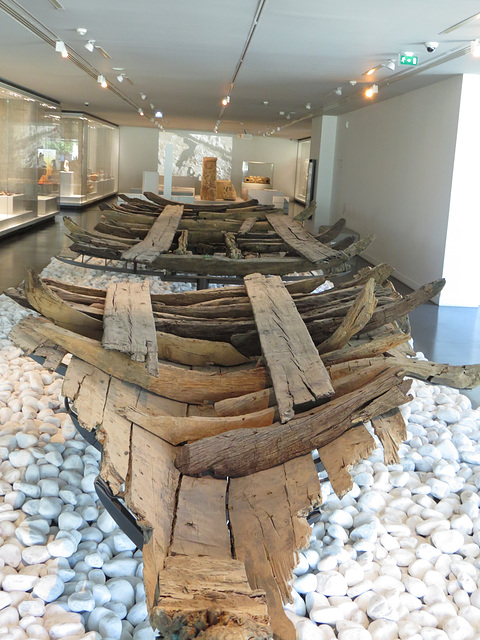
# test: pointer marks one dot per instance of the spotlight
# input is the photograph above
(281, 113)
(308, 106)
(152, 107)
(120, 77)
(158, 114)
(81, 31)
(475, 48)
(102, 82)
(143, 96)
(338, 91)
(371, 91)
(225, 100)
(353, 82)
(140, 111)
(288, 116)
(90, 46)
(370, 72)
(278, 128)
(61, 48)
(391, 65)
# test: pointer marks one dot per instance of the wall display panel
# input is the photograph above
(29, 142)
(188, 153)
(301, 177)
(89, 160)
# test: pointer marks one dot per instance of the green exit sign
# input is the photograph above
(409, 59)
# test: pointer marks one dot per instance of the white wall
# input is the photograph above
(138, 153)
(393, 177)
(462, 263)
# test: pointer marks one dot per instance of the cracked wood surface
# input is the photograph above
(299, 377)
(128, 323)
(391, 430)
(159, 238)
(265, 507)
(299, 240)
(174, 382)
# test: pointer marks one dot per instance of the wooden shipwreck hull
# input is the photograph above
(212, 243)
(215, 461)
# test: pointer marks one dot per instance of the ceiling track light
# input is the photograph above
(90, 46)
(102, 81)
(81, 31)
(61, 48)
(391, 65)
(140, 111)
(475, 48)
(308, 106)
(371, 91)
(373, 70)
(143, 96)
(226, 100)
(120, 77)
(338, 91)
(158, 114)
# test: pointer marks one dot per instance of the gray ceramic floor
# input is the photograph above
(444, 334)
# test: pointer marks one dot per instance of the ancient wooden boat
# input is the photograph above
(215, 462)
(215, 247)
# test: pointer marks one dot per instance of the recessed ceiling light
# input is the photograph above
(265, 102)
(118, 68)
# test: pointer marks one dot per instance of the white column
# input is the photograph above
(167, 176)
(322, 149)
(461, 263)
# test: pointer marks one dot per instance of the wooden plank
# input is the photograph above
(159, 238)
(211, 595)
(200, 525)
(300, 241)
(51, 306)
(174, 382)
(239, 453)
(232, 250)
(391, 430)
(247, 225)
(151, 495)
(188, 429)
(299, 377)
(86, 387)
(355, 319)
(263, 509)
(115, 434)
(128, 323)
(344, 452)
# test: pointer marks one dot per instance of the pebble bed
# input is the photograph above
(397, 557)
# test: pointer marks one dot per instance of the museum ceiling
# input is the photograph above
(301, 58)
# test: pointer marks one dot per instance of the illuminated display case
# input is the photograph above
(89, 163)
(301, 178)
(256, 175)
(29, 148)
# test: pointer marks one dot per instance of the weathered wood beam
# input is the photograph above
(158, 239)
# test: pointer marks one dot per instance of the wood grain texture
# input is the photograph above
(159, 238)
(299, 377)
(340, 455)
(128, 323)
(391, 430)
(239, 453)
(265, 508)
(174, 382)
(299, 240)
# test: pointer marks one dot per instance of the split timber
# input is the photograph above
(219, 549)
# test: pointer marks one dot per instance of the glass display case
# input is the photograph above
(89, 163)
(29, 144)
(256, 175)
(301, 176)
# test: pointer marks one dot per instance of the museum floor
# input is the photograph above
(443, 334)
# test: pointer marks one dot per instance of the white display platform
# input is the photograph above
(12, 205)
(47, 204)
(264, 196)
(66, 184)
(252, 186)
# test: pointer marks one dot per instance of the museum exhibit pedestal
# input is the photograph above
(66, 184)
(47, 205)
